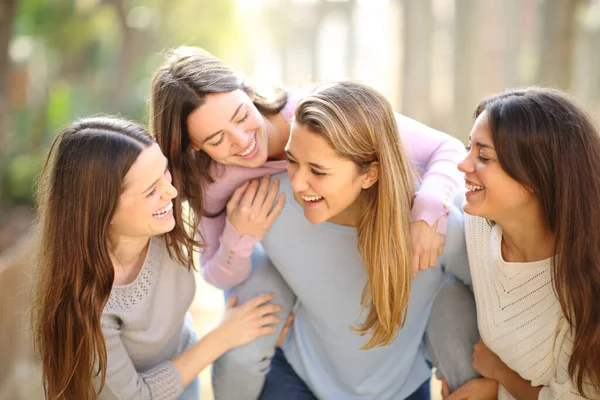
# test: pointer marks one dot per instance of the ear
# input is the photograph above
(372, 175)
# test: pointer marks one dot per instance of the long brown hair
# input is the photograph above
(359, 124)
(549, 144)
(180, 86)
(78, 192)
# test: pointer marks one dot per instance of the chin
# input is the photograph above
(313, 219)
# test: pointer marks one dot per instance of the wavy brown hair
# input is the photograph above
(179, 86)
(359, 124)
(545, 141)
(78, 192)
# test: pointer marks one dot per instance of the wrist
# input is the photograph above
(218, 338)
(499, 374)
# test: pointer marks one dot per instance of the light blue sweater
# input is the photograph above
(322, 265)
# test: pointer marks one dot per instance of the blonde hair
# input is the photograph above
(359, 124)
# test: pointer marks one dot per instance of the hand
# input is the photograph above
(242, 324)
(485, 362)
(427, 245)
(284, 331)
(476, 389)
(249, 209)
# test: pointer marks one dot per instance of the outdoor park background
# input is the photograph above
(434, 60)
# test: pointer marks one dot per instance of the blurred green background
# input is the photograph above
(434, 59)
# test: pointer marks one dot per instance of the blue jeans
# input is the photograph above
(283, 383)
(450, 335)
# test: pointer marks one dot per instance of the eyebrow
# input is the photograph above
(156, 181)
(318, 166)
(482, 145)
(221, 130)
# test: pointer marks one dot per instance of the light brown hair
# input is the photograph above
(359, 124)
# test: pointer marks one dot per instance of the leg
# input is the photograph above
(452, 330)
(283, 383)
(240, 373)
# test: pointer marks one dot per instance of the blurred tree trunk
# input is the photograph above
(417, 36)
(466, 60)
(587, 84)
(558, 31)
(7, 15)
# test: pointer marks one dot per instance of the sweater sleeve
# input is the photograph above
(122, 379)
(226, 261)
(436, 154)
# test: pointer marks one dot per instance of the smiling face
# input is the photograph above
(491, 192)
(145, 208)
(326, 185)
(230, 129)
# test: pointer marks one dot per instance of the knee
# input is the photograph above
(255, 357)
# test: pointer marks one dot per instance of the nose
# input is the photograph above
(241, 138)
(170, 192)
(466, 165)
(298, 178)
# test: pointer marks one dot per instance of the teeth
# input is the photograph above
(472, 188)
(163, 211)
(311, 198)
(250, 148)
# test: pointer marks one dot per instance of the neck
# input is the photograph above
(278, 133)
(129, 252)
(526, 239)
(350, 216)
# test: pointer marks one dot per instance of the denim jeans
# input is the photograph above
(283, 383)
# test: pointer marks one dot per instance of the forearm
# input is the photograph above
(199, 356)
(229, 262)
(518, 387)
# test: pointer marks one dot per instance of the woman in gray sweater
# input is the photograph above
(110, 315)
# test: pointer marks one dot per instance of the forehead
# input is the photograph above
(306, 144)
(216, 112)
(149, 166)
(481, 129)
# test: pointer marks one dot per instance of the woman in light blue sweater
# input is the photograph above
(342, 243)
(110, 313)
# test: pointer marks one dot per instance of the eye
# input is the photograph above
(483, 159)
(468, 148)
(151, 192)
(289, 160)
(219, 141)
(245, 117)
(317, 173)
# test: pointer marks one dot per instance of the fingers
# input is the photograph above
(276, 210)
(445, 389)
(267, 204)
(249, 194)
(285, 330)
(268, 309)
(261, 193)
(270, 320)
(266, 330)
(234, 201)
(259, 300)
(231, 301)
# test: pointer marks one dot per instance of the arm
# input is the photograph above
(437, 155)
(240, 325)
(249, 213)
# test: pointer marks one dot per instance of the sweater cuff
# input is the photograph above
(234, 243)
(164, 381)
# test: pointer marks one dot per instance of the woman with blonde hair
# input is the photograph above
(533, 188)
(110, 316)
(342, 243)
(219, 134)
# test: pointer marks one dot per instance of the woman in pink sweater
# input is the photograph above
(223, 139)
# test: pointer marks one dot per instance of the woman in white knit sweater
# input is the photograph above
(533, 194)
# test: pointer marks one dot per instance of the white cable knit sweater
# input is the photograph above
(519, 315)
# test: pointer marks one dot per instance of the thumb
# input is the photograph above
(445, 389)
(231, 302)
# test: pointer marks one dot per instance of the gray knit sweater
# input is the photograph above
(146, 325)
